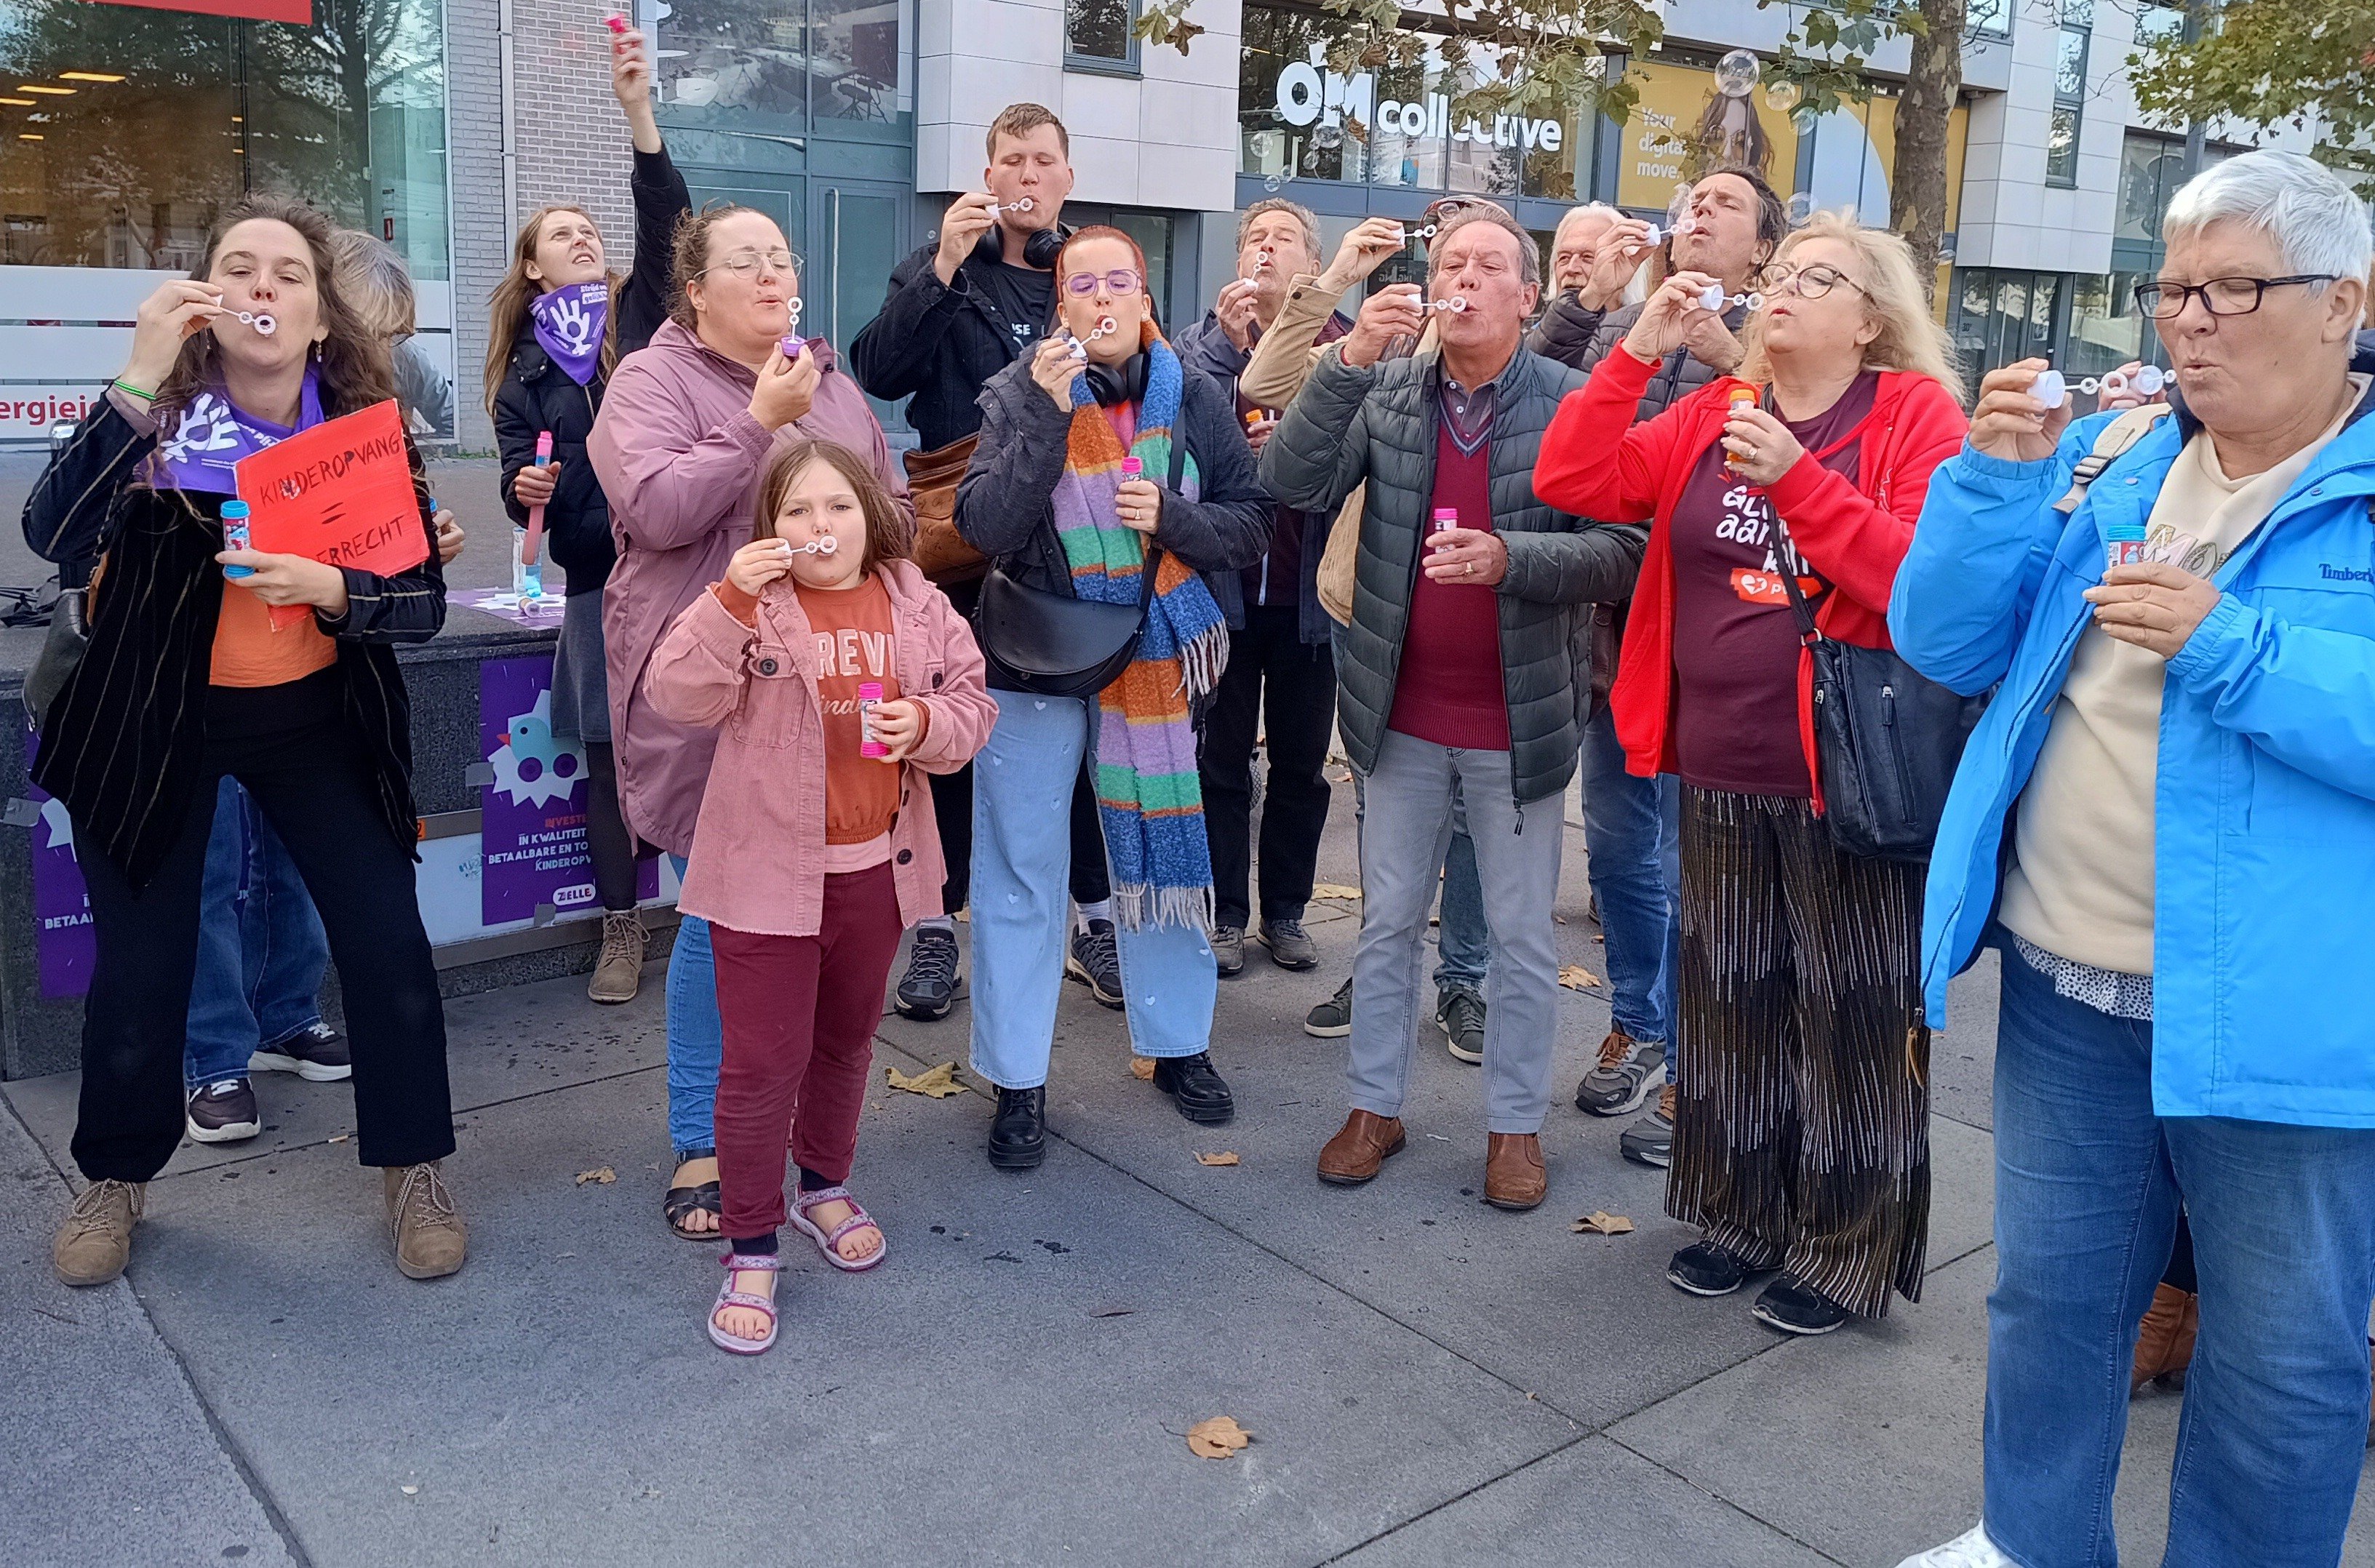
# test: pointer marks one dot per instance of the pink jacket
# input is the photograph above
(679, 457)
(758, 853)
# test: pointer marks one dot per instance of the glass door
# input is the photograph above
(855, 240)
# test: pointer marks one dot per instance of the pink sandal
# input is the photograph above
(830, 1244)
(729, 1296)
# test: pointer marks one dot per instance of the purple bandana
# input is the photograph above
(568, 323)
(211, 435)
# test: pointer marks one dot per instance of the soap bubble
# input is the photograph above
(1802, 207)
(1802, 118)
(1275, 181)
(1736, 72)
(1781, 97)
(1328, 137)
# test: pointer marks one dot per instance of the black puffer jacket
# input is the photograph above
(940, 342)
(1378, 425)
(538, 396)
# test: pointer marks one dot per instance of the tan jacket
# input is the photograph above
(1279, 366)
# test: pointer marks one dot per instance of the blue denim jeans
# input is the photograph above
(262, 952)
(2088, 1182)
(1632, 829)
(1022, 849)
(696, 1036)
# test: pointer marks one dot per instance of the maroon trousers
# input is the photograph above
(800, 1015)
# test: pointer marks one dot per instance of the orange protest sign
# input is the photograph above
(340, 493)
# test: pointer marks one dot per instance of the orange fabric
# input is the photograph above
(250, 651)
(742, 606)
(855, 631)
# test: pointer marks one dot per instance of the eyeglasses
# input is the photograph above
(744, 264)
(1810, 282)
(2220, 296)
(1121, 280)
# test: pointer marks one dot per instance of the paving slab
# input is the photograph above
(110, 1461)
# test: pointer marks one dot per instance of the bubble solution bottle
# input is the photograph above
(235, 522)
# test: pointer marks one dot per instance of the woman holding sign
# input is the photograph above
(685, 429)
(560, 320)
(275, 669)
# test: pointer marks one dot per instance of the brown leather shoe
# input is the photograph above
(94, 1241)
(431, 1239)
(1354, 1155)
(1514, 1176)
(2165, 1338)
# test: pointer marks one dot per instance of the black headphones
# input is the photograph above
(1039, 251)
(1125, 383)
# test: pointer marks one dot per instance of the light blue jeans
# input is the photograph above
(262, 952)
(696, 1037)
(1632, 828)
(2088, 1182)
(1021, 853)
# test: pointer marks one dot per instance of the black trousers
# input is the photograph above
(1277, 686)
(308, 773)
(616, 865)
(952, 805)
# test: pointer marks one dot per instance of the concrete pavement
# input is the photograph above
(1427, 1380)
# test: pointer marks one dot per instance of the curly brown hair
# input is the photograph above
(688, 255)
(886, 532)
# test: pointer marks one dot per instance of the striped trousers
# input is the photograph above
(1802, 1133)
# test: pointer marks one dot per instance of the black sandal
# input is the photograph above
(679, 1202)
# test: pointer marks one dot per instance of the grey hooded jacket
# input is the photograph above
(1378, 425)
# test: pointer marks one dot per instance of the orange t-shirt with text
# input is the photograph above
(853, 633)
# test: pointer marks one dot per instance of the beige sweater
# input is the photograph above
(2083, 884)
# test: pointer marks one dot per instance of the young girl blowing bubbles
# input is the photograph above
(840, 675)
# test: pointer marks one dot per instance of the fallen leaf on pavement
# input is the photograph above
(1225, 1158)
(1142, 1068)
(603, 1174)
(1575, 977)
(1217, 1438)
(1334, 890)
(1604, 1224)
(938, 1082)
(410, 1491)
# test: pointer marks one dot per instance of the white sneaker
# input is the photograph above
(1972, 1550)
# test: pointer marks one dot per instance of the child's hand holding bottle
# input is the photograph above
(899, 725)
(759, 563)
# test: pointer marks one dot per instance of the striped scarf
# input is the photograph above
(1147, 797)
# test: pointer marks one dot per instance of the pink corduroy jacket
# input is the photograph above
(680, 457)
(758, 850)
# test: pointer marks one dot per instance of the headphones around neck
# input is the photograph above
(1039, 251)
(1125, 383)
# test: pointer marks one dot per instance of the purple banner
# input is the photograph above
(64, 945)
(532, 826)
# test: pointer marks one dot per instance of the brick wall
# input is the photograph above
(474, 122)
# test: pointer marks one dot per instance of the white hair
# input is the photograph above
(2319, 224)
(1589, 209)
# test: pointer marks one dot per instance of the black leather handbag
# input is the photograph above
(1886, 738)
(63, 645)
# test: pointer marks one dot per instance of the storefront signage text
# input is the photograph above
(1308, 93)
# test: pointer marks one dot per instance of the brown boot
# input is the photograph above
(1514, 1176)
(1354, 1155)
(94, 1241)
(619, 973)
(2165, 1338)
(430, 1239)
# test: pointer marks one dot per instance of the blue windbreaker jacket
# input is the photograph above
(2264, 816)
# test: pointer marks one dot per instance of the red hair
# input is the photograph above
(1106, 231)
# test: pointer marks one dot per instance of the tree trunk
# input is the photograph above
(1917, 184)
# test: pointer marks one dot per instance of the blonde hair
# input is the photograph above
(1910, 339)
(376, 283)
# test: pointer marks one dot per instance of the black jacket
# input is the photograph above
(937, 342)
(125, 735)
(538, 396)
(1005, 501)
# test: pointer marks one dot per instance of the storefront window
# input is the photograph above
(1097, 31)
(757, 66)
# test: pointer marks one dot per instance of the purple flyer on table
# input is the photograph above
(532, 842)
(506, 606)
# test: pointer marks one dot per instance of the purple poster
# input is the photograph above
(63, 944)
(532, 825)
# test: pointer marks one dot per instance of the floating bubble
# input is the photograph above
(1328, 137)
(1736, 74)
(1274, 182)
(1802, 119)
(1802, 207)
(1781, 97)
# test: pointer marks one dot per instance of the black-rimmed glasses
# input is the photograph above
(2220, 296)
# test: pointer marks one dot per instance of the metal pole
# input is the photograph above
(2197, 17)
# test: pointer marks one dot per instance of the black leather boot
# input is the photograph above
(1017, 1134)
(1199, 1090)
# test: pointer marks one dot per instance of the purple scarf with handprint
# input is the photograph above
(212, 434)
(570, 322)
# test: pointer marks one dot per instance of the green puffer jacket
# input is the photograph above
(1379, 425)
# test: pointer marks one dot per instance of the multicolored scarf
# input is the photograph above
(570, 322)
(1148, 796)
(212, 434)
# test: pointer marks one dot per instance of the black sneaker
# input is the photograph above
(223, 1112)
(1196, 1088)
(1705, 1268)
(928, 989)
(1095, 962)
(1460, 1013)
(1797, 1308)
(1289, 945)
(1331, 1019)
(1229, 950)
(316, 1054)
(1017, 1134)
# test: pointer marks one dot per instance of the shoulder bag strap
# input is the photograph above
(2110, 443)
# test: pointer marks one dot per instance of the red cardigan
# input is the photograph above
(1597, 462)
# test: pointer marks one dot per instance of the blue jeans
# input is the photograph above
(696, 1037)
(1022, 848)
(262, 952)
(2088, 1182)
(1632, 829)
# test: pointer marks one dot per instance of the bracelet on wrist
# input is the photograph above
(125, 386)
